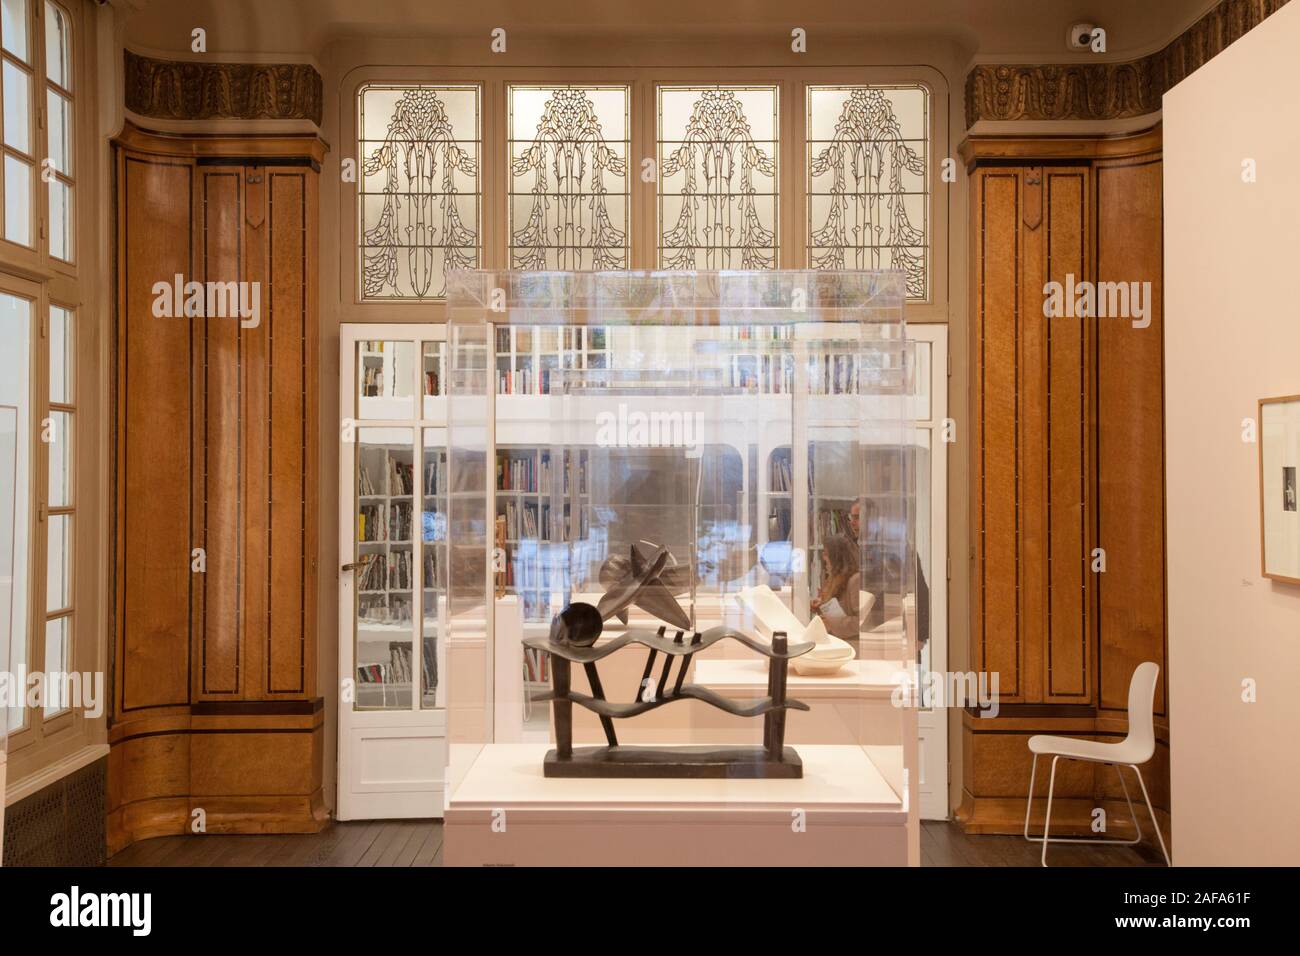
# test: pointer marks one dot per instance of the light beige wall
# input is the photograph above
(1232, 337)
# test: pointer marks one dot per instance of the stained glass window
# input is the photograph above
(569, 196)
(718, 177)
(868, 180)
(419, 196)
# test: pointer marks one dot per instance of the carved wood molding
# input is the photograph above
(189, 90)
(1107, 91)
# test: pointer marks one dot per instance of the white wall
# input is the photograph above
(1232, 336)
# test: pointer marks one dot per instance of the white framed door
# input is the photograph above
(392, 739)
(932, 547)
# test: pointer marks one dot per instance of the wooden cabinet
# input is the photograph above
(215, 704)
(1066, 463)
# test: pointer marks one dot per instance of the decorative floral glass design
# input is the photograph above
(717, 177)
(868, 180)
(568, 177)
(419, 195)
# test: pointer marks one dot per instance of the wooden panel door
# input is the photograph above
(153, 454)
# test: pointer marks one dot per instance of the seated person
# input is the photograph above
(837, 601)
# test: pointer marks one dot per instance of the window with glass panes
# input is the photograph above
(39, 293)
(37, 142)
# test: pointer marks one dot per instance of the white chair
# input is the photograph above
(1137, 748)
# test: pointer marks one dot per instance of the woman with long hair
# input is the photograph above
(837, 600)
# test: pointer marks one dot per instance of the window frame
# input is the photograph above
(33, 273)
(792, 205)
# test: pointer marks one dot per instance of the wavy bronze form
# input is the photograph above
(1105, 91)
(190, 90)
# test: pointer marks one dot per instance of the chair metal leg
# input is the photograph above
(1132, 813)
(1029, 804)
(1047, 820)
(1044, 839)
(1154, 822)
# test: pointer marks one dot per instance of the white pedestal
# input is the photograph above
(841, 813)
(853, 706)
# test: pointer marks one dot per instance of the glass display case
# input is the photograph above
(684, 452)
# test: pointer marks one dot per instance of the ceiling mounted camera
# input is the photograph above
(1086, 36)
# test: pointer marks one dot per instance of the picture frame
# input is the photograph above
(1279, 494)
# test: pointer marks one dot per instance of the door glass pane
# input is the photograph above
(61, 353)
(13, 26)
(18, 193)
(60, 444)
(433, 540)
(58, 65)
(15, 518)
(17, 100)
(432, 376)
(57, 634)
(385, 627)
(385, 379)
(60, 220)
(58, 583)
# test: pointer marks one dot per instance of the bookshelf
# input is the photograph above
(527, 357)
(542, 507)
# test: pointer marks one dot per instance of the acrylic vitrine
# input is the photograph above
(715, 465)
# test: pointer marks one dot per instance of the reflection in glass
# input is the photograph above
(61, 355)
(385, 627)
(58, 583)
(57, 638)
(60, 445)
(385, 379)
(15, 442)
(18, 196)
(433, 540)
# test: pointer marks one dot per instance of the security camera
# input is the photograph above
(1086, 36)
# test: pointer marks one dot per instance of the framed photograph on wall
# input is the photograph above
(1279, 496)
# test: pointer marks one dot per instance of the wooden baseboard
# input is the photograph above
(1071, 816)
(176, 816)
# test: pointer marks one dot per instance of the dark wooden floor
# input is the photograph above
(419, 843)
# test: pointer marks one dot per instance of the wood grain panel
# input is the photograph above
(1033, 488)
(1066, 364)
(153, 441)
(996, 398)
(286, 637)
(1130, 440)
(216, 439)
(220, 631)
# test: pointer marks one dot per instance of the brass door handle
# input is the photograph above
(352, 565)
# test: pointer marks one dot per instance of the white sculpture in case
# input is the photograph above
(770, 615)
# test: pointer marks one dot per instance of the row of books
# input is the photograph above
(372, 380)
(537, 666)
(384, 609)
(782, 477)
(435, 477)
(399, 668)
(524, 522)
(523, 473)
(398, 478)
